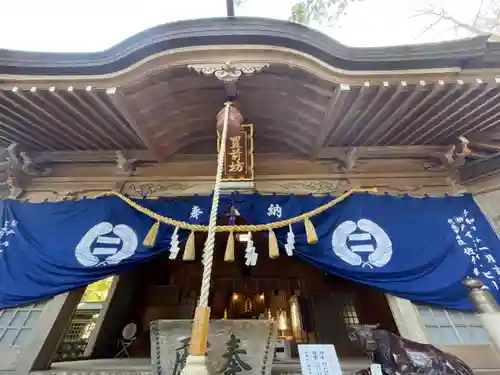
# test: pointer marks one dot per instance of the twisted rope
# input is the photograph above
(237, 228)
(208, 251)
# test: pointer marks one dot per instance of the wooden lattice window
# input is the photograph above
(17, 324)
(81, 326)
(349, 313)
(76, 339)
(451, 327)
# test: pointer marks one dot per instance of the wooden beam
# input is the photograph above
(53, 126)
(326, 153)
(386, 152)
(435, 129)
(388, 136)
(360, 112)
(26, 124)
(480, 168)
(332, 114)
(378, 134)
(79, 125)
(130, 115)
(350, 113)
(423, 111)
(488, 146)
(89, 156)
(100, 120)
(477, 155)
(371, 125)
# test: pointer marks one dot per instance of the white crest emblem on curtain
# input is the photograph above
(352, 247)
(112, 253)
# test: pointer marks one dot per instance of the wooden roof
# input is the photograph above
(310, 96)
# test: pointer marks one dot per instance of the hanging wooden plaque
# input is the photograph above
(239, 157)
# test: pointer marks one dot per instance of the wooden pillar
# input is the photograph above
(407, 319)
(52, 325)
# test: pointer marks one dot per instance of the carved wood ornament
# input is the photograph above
(228, 72)
(124, 166)
(454, 157)
(20, 169)
(347, 157)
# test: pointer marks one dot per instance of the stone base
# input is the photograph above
(248, 344)
(491, 322)
(142, 366)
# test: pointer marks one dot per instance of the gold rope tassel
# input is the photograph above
(229, 254)
(274, 251)
(189, 250)
(312, 237)
(150, 239)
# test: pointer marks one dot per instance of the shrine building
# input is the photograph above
(319, 118)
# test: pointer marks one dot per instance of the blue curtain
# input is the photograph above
(417, 248)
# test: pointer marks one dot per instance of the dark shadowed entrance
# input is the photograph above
(309, 305)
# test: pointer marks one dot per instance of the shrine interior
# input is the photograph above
(309, 305)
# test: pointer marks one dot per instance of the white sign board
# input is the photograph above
(376, 369)
(319, 360)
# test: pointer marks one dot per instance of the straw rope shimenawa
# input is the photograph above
(196, 361)
(238, 228)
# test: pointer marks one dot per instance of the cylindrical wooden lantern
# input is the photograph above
(234, 122)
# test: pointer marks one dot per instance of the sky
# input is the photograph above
(95, 25)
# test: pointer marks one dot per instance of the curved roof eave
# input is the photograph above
(473, 53)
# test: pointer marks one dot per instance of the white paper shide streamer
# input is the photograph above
(250, 253)
(290, 241)
(174, 244)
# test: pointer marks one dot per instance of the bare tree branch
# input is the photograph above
(478, 14)
(485, 21)
(428, 28)
(237, 3)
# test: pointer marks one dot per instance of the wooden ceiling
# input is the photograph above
(315, 98)
(51, 120)
(173, 111)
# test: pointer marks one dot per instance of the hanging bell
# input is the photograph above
(235, 119)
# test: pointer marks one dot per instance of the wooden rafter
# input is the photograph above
(434, 127)
(404, 136)
(99, 121)
(332, 114)
(51, 123)
(351, 112)
(377, 134)
(419, 134)
(16, 132)
(125, 110)
(364, 112)
(381, 112)
(172, 116)
(396, 126)
(75, 124)
(33, 126)
(107, 114)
